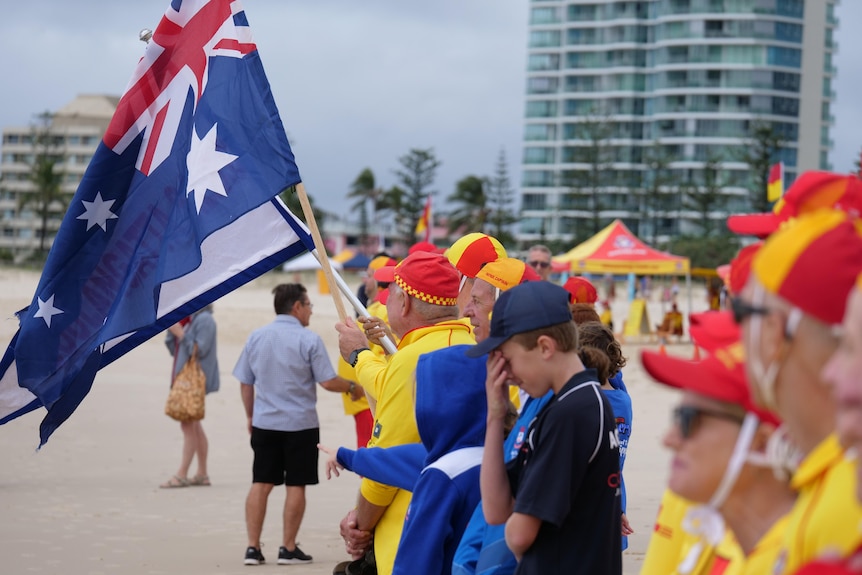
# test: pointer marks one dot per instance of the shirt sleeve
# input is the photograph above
(371, 372)
(399, 466)
(467, 554)
(242, 370)
(321, 366)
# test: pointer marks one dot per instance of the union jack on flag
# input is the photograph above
(178, 206)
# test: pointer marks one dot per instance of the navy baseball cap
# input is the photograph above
(525, 307)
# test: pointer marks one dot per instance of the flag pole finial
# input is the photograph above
(144, 35)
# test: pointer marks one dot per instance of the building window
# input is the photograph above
(540, 132)
(790, 8)
(787, 57)
(545, 15)
(542, 85)
(541, 109)
(785, 107)
(537, 179)
(545, 38)
(785, 81)
(786, 32)
(539, 155)
(538, 62)
(534, 201)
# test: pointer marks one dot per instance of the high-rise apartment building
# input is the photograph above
(73, 134)
(614, 87)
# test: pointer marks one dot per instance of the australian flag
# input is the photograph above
(178, 206)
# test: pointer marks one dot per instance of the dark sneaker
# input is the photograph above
(253, 556)
(294, 557)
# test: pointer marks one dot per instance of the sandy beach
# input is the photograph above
(89, 502)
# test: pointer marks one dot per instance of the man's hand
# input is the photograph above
(356, 542)
(177, 331)
(497, 387)
(357, 392)
(375, 329)
(350, 337)
(332, 465)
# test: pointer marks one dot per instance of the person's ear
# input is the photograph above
(761, 437)
(774, 341)
(547, 346)
(406, 305)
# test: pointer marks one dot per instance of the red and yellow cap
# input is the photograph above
(720, 376)
(381, 262)
(425, 276)
(424, 247)
(812, 191)
(813, 262)
(469, 253)
(581, 290)
(740, 268)
(506, 273)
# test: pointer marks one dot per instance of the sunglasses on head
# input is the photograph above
(687, 418)
(539, 264)
(743, 310)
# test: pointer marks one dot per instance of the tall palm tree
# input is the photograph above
(47, 196)
(472, 202)
(395, 201)
(363, 190)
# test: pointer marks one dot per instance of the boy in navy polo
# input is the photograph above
(560, 497)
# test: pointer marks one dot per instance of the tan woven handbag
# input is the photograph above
(188, 392)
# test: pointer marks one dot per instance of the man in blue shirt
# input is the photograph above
(279, 369)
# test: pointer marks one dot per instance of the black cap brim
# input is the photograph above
(485, 347)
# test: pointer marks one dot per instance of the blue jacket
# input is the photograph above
(450, 413)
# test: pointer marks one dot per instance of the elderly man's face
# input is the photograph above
(540, 261)
(370, 283)
(479, 308)
(844, 372)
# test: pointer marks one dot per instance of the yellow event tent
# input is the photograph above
(616, 250)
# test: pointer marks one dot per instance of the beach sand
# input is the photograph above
(89, 502)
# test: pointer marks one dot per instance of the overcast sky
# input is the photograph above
(358, 83)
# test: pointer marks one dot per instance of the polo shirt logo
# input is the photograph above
(377, 429)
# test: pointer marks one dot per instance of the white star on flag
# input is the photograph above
(98, 212)
(47, 309)
(203, 163)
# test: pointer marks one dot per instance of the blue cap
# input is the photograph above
(523, 308)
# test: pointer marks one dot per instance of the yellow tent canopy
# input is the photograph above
(616, 250)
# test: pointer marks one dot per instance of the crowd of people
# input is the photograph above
(493, 440)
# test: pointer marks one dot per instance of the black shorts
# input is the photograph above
(285, 457)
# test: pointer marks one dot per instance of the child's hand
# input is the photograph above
(627, 528)
(332, 465)
(496, 387)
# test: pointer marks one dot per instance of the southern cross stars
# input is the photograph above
(98, 212)
(47, 309)
(203, 163)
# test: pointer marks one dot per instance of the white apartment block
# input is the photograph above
(691, 76)
(76, 130)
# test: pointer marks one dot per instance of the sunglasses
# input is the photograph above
(742, 310)
(687, 418)
(539, 264)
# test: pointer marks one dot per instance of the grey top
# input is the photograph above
(201, 331)
(284, 362)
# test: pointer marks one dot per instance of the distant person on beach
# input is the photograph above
(279, 369)
(539, 258)
(199, 330)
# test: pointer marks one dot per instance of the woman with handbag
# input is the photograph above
(194, 342)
